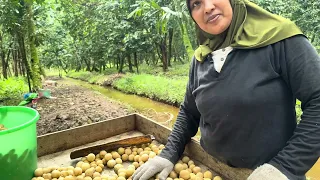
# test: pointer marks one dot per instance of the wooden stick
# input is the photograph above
(112, 146)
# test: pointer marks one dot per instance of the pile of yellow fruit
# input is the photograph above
(92, 166)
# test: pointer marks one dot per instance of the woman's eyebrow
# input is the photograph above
(191, 1)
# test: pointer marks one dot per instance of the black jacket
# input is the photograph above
(246, 113)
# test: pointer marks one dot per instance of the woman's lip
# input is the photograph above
(213, 18)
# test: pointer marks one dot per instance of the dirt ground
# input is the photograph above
(74, 106)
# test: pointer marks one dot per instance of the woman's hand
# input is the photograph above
(153, 166)
(267, 172)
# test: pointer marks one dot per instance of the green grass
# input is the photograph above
(54, 72)
(91, 77)
(155, 87)
(175, 71)
(12, 89)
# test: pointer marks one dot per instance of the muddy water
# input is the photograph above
(160, 111)
(146, 105)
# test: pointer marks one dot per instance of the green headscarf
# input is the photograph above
(251, 27)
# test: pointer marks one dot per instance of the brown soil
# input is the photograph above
(74, 106)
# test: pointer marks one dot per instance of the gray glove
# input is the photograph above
(153, 166)
(267, 172)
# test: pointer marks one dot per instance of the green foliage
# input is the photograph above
(154, 87)
(298, 111)
(176, 70)
(82, 75)
(93, 78)
(304, 13)
(12, 88)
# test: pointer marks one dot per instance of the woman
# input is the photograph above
(247, 73)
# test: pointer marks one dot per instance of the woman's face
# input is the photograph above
(212, 16)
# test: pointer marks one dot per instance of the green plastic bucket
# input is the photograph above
(18, 148)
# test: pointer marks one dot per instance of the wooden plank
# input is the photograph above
(193, 149)
(63, 140)
(148, 126)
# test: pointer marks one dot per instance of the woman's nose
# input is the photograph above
(209, 6)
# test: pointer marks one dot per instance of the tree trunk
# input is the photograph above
(20, 63)
(121, 61)
(15, 63)
(136, 61)
(35, 63)
(163, 50)
(94, 67)
(6, 65)
(130, 63)
(3, 60)
(170, 46)
(25, 65)
(87, 64)
(117, 62)
(78, 59)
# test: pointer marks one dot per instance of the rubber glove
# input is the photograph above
(153, 166)
(267, 172)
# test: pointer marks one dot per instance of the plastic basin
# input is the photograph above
(18, 148)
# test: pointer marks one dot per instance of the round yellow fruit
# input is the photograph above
(121, 151)
(124, 157)
(190, 163)
(144, 157)
(185, 159)
(207, 174)
(77, 171)
(152, 154)
(117, 167)
(115, 155)
(38, 172)
(108, 156)
(127, 151)
(47, 176)
(173, 175)
(178, 167)
(119, 161)
(102, 153)
(96, 174)
(129, 172)
(89, 172)
(55, 174)
(98, 169)
(131, 157)
(196, 169)
(85, 166)
(111, 163)
(91, 157)
(184, 174)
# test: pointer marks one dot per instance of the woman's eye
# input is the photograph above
(196, 4)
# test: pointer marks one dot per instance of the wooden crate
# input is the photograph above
(54, 148)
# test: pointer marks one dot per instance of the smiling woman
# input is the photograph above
(249, 69)
(212, 17)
